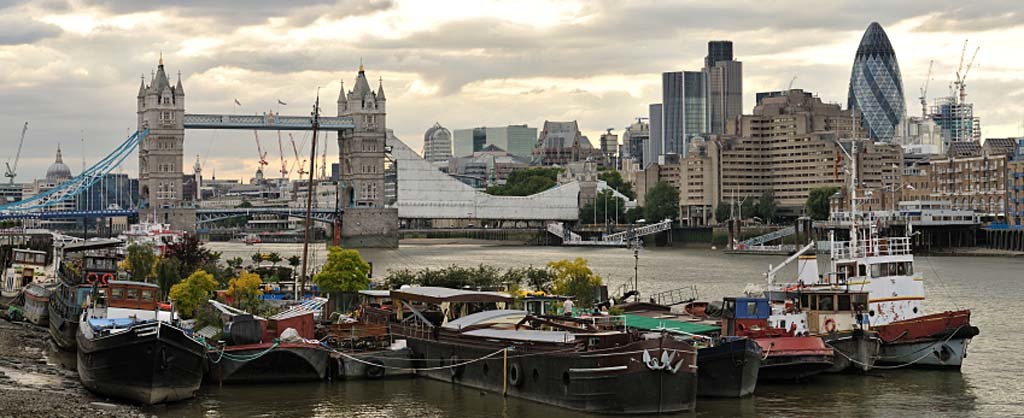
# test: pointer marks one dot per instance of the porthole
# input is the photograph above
(915, 309)
(871, 312)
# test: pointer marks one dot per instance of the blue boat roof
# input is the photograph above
(98, 324)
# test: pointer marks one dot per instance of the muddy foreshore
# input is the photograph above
(33, 383)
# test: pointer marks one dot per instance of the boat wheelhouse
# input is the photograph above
(26, 266)
(787, 356)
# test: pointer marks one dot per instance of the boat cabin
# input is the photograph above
(829, 311)
(130, 295)
(438, 305)
(742, 315)
(544, 304)
(26, 265)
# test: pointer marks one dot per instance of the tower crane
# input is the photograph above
(302, 165)
(924, 91)
(961, 72)
(259, 149)
(12, 171)
(280, 151)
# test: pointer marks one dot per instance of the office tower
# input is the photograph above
(876, 89)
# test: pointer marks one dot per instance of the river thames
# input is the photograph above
(989, 384)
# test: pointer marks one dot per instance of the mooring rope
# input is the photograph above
(898, 366)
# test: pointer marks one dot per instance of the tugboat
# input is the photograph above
(129, 349)
(566, 363)
(786, 356)
(93, 265)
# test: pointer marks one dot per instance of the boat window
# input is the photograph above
(825, 303)
(133, 294)
(116, 293)
(730, 307)
(877, 270)
(863, 270)
(901, 269)
(805, 301)
(147, 295)
(909, 268)
(814, 303)
(751, 309)
(844, 303)
(40, 258)
(19, 256)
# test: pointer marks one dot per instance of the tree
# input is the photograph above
(294, 261)
(274, 258)
(609, 208)
(398, 278)
(190, 253)
(574, 278)
(246, 290)
(661, 202)
(167, 275)
(192, 292)
(235, 263)
(615, 181)
(539, 278)
(140, 261)
(722, 212)
(245, 204)
(634, 214)
(767, 206)
(256, 258)
(345, 271)
(526, 182)
(818, 206)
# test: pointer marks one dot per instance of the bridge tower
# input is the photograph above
(366, 222)
(161, 109)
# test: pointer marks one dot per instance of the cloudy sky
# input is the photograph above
(72, 68)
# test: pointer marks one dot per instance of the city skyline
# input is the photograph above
(73, 68)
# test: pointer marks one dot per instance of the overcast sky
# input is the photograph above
(72, 68)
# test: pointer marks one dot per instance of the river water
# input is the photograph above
(990, 383)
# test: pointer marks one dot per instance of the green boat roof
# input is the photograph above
(645, 323)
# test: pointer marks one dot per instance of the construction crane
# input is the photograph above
(924, 91)
(961, 72)
(791, 81)
(259, 149)
(280, 151)
(12, 171)
(302, 165)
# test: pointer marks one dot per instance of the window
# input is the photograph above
(133, 294)
(751, 309)
(116, 293)
(863, 270)
(909, 268)
(826, 303)
(877, 270)
(147, 295)
(844, 303)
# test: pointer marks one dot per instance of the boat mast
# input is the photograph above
(309, 197)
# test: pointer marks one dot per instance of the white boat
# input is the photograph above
(157, 235)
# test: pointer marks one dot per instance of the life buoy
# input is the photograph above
(456, 371)
(515, 374)
(107, 277)
(830, 325)
(374, 371)
(91, 278)
(792, 327)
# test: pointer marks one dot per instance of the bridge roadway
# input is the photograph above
(202, 215)
(266, 121)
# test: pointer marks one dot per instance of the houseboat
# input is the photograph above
(468, 338)
(26, 266)
(83, 267)
(130, 349)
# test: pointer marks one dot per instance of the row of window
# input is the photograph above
(118, 293)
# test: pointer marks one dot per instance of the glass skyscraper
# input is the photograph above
(682, 98)
(876, 88)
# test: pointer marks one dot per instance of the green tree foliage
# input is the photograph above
(608, 208)
(246, 291)
(294, 261)
(274, 258)
(661, 202)
(192, 292)
(722, 212)
(256, 258)
(235, 263)
(167, 275)
(634, 214)
(767, 206)
(575, 278)
(526, 182)
(479, 277)
(141, 259)
(244, 205)
(345, 271)
(615, 181)
(818, 207)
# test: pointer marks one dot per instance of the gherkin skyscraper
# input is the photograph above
(876, 88)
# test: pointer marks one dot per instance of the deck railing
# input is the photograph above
(873, 247)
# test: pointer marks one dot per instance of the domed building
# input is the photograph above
(876, 88)
(58, 172)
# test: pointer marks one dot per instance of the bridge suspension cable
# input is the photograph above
(80, 183)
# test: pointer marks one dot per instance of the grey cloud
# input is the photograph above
(956, 21)
(15, 30)
(243, 12)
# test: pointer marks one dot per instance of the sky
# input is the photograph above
(71, 68)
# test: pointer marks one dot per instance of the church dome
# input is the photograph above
(58, 172)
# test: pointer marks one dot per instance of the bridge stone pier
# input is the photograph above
(361, 134)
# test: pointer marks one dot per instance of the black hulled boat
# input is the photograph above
(129, 349)
(81, 267)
